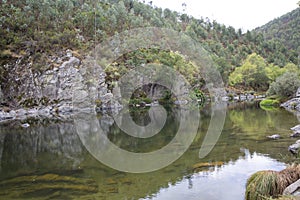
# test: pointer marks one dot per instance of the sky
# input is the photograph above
(244, 14)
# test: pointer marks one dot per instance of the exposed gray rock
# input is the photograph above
(292, 189)
(296, 130)
(294, 148)
(274, 137)
(293, 104)
(298, 93)
(69, 87)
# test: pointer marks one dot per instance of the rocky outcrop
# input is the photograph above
(296, 131)
(294, 148)
(293, 104)
(71, 85)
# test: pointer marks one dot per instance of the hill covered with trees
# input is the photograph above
(284, 29)
(33, 31)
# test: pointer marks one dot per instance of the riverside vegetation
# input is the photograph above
(36, 35)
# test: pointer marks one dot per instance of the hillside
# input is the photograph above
(285, 29)
(35, 33)
(40, 26)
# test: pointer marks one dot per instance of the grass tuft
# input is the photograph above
(271, 184)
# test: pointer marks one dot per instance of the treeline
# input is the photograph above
(35, 29)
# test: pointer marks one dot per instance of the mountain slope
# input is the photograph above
(285, 28)
(34, 31)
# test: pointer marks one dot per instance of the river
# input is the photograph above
(50, 160)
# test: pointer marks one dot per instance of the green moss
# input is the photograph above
(269, 103)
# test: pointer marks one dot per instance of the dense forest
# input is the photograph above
(285, 29)
(35, 30)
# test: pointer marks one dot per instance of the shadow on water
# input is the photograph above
(48, 160)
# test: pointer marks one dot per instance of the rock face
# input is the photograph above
(70, 85)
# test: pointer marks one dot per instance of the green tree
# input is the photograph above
(251, 74)
(285, 86)
(274, 71)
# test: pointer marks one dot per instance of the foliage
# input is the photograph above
(285, 86)
(141, 57)
(264, 184)
(284, 29)
(34, 29)
(252, 74)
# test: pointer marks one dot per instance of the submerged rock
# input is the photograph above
(274, 137)
(207, 164)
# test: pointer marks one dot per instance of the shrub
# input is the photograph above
(285, 86)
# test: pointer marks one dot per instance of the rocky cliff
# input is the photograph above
(57, 91)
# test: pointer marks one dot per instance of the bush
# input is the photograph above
(285, 86)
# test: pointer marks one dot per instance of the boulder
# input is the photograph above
(292, 189)
(293, 104)
(294, 147)
(298, 93)
(296, 130)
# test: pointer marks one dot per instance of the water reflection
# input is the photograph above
(45, 147)
(54, 151)
(226, 182)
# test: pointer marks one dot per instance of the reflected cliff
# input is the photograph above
(54, 153)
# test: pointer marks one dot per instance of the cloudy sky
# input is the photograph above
(245, 14)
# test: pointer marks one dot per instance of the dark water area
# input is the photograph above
(49, 160)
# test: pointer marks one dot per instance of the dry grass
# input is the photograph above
(265, 184)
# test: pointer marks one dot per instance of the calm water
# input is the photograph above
(49, 161)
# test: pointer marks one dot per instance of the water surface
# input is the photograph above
(49, 161)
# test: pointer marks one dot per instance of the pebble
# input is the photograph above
(274, 137)
(26, 125)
